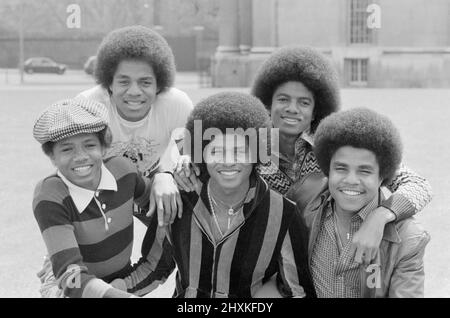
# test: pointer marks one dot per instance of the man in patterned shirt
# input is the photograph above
(358, 150)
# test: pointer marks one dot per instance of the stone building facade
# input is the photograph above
(372, 43)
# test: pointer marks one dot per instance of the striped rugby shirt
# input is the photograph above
(89, 246)
(272, 238)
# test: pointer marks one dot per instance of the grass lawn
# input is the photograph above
(423, 117)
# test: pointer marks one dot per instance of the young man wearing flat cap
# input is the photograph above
(85, 209)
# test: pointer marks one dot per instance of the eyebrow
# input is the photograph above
(338, 163)
(369, 167)
(66, 144)
(287, 95)
(127, 76)
(90, 139)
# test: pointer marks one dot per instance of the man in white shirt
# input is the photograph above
(135, 70)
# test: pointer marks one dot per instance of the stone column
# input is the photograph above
(228, 26)
(265, 26)
(245, 26)
(264, 35)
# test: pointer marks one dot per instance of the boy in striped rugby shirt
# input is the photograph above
(85, 209)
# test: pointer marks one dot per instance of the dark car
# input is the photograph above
(43, 65)
(89, 66)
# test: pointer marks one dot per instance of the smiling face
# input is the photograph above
(133, 89)
(229, 162)
(292, 108)
(354, 178)
(79, 159)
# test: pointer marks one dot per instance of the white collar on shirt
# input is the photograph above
(81, 196)
(308, 137)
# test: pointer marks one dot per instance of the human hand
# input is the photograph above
(367, 239)
(119, 284)
(186, 174)
(165, 199)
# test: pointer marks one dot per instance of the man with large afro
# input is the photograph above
(234, 222)
(307, 66)
(225, 111)
(298, 172)
(360, 128)
(358, 150)
(135, 70)
(135, 42)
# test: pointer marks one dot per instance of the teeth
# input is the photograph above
(350, 192)
(228, 173)
(134, 103)
(291, 120)
(84, 168)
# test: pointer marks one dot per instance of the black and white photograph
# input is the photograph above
(231, 149)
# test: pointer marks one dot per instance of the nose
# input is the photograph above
(80, 155)
(292, 107)
(134, 89)
(351, 178)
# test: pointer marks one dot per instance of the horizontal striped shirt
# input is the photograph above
(272, 238)
(95, 243)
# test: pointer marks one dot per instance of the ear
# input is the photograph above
(380, 182)
(103, 151)
(52, 159)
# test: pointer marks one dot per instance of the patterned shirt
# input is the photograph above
(281, 172)
(335, 274)
(411, 192)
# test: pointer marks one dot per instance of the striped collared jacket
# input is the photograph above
(272, 238)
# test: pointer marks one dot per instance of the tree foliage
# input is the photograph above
(47, 18)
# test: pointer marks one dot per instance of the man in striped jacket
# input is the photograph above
(235, 232)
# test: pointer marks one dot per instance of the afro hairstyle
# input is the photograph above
(137, 43)
(299, 64)
(359, 128)
(226, 110)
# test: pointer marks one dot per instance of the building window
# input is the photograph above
(359, 32)
(357, 71)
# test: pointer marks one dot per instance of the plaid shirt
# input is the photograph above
(335, 274)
